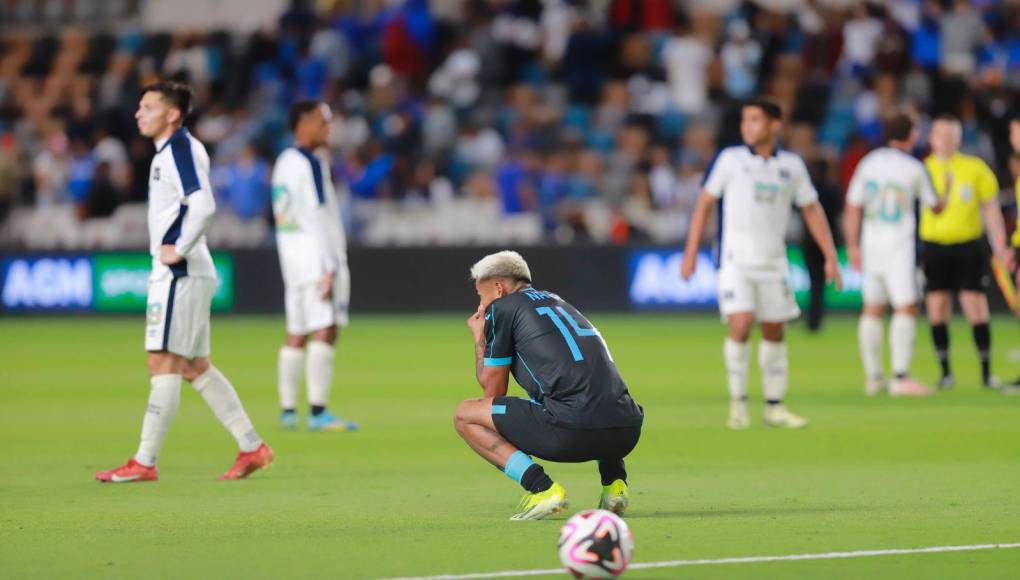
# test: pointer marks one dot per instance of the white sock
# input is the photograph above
(289, 375)
(869, 339)
(737, 357)
(774, 368)
(319, 373)
(221, 397)
(902, 332)
(164, 399)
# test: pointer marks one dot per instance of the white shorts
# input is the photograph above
(307, 312)
(177, 316)
(891, 279)
(768, 297)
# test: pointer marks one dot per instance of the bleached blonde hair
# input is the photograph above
(505, 264)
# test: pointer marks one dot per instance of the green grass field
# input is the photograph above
(405, 497)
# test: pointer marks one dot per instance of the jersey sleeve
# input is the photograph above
(986, 184)
(499, 336)
(804, 193)
(310, 212)
(718, 175)
(193, 172)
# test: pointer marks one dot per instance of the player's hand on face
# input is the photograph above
(168, 254)
(689, 264)
(476, 322)
(325, 285)
(832, 274)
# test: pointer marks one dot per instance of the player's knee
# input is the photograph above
(908, 310)
(327, 335)
(740, 328)
(164, 363)
(773, 331)
(296, 340)
(875, 310)
(461, 417)
(195, 368)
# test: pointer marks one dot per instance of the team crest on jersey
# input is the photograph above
(154, 314)
(155, 173)
(784, 174)
(966, 193)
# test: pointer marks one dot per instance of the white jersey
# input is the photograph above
(181, 206)
(886, 184)
(757, 194)
(309, 235)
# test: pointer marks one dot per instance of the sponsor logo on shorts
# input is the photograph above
(154, 314)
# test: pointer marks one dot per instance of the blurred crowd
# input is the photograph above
(543, 107)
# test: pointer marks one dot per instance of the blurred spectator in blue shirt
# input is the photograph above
(243, 186)
(83, 166)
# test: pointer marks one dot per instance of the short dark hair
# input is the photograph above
(177, 95)
(771, 110)
(948, 117)
(299, 110)
(898, 127)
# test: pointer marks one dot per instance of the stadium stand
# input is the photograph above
(471, 121)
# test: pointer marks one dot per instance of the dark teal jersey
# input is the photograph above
(560, 359)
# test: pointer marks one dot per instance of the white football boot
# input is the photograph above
(739, 417)
(780, 416)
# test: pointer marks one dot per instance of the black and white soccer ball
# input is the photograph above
(596, 544)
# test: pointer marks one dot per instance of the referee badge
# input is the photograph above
(966, 193)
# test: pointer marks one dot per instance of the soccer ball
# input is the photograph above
(595, 544)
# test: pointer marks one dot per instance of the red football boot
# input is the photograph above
(250, 462)
(129, 472)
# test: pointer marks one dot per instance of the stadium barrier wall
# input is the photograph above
(396, 280)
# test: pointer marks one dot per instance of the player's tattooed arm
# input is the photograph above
(479, 359)
(494, 380)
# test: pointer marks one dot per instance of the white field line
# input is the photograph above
(743, 560)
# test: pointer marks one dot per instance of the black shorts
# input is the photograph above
(956, 267)
(528, 426)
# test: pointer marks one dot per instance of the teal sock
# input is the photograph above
(527, 473)
(518, 463)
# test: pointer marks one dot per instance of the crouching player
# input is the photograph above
(579, 410)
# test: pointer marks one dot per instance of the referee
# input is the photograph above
(955, 259)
